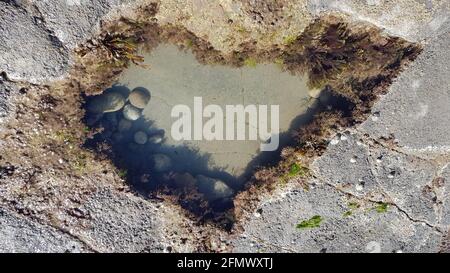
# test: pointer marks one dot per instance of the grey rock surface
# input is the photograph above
(416, 110)
(37, 36)
(415, 20)
(346, 164)
(273, 228)
(19, 234)
(27, 49)
(122, 223)
(380, 174)
(107, 221)
(443, 179)
(59, 17)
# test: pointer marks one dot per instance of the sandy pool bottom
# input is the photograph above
(175, 77)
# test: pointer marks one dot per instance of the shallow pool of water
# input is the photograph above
(174, 77)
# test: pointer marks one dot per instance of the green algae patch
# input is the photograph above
(297, 170)
(288, 40)
(347, 213)
(250, 62)
(381, 208)
(314, 222)
(123, 174)
(353, 205)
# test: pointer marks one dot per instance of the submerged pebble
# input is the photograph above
(109, 101)
(117, 137)
(145, 178)
(112, 118)
(184, 180)
(213, 188)
(161, 162)
(139, 97)
(131, 113)
(134, 147)
(140, 137)
(155, 139)
(107, 134)
(124, 125)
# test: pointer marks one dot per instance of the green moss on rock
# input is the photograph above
(314, 222)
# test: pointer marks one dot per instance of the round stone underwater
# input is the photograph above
(131, 113)
(109, 101)
(139, 97)
(140, 137)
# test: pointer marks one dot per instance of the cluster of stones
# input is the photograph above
(112, 101)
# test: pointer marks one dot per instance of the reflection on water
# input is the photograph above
(136, 117)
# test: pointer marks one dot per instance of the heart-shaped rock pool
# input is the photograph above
(170, 119)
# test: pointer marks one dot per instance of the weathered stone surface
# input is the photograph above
(407, 181)
(36, 36)
(59, 17)
(345, 164)
(106, 220)
(27, 50)
(413, 19)
(381, 174)
(443, 180)
(19, 234)
(122, 223)
(365, 230)
(415, 112)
